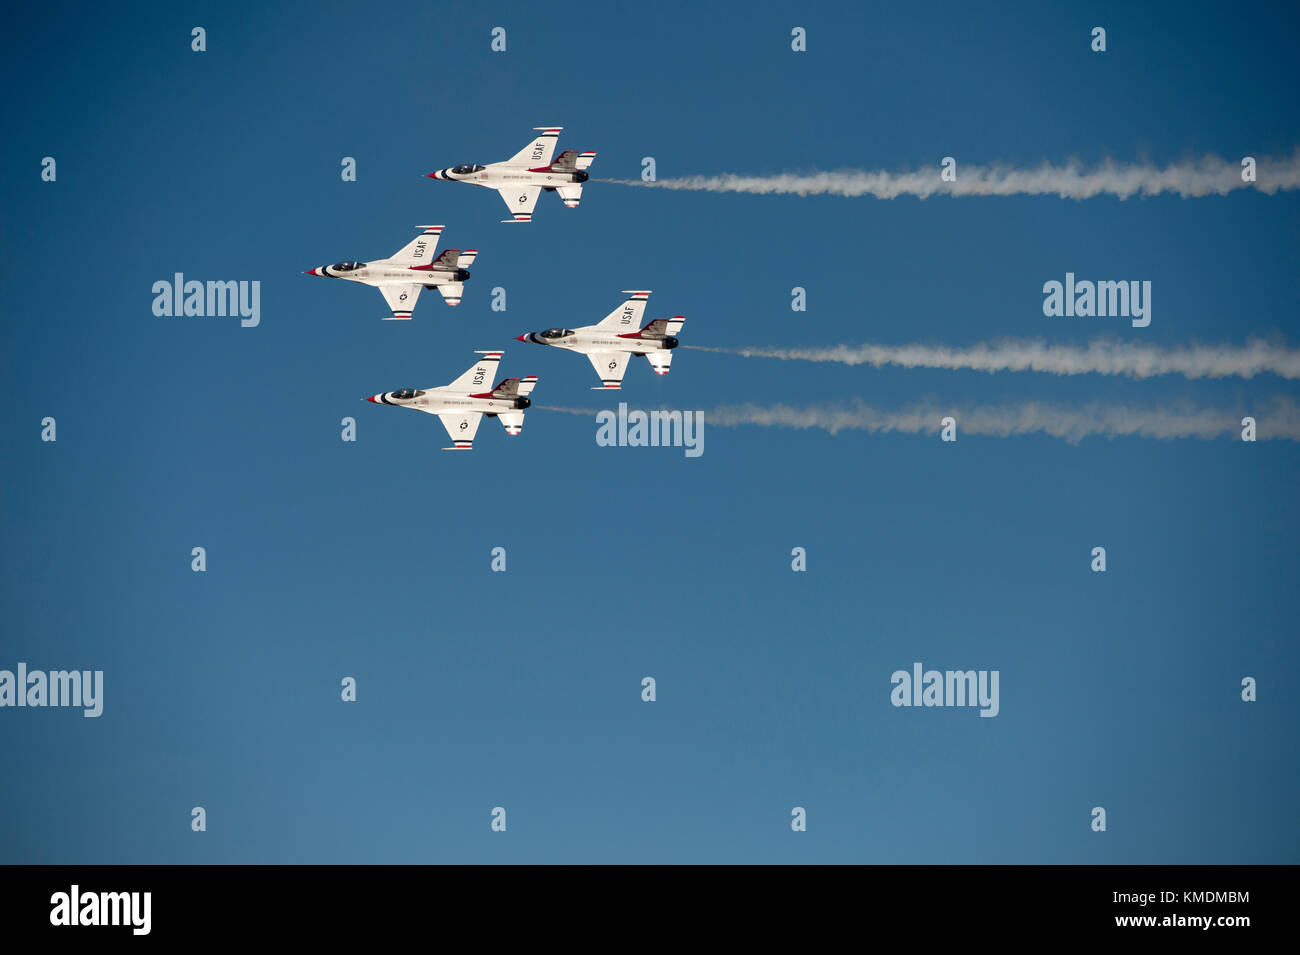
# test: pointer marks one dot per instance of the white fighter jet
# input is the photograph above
(411, 268)
(522, 178)
(462, 404)
(616, 338)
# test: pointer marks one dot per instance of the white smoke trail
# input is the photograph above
(1278, 419)
(1194, 178)
(1257, 357)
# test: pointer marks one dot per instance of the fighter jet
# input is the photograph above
(522, 178)
(612, 341)
(411, 268)
(462, 404)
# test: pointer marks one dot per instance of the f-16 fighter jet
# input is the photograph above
(412, 268)
(522, 178)
(616, 338)
(462, 404)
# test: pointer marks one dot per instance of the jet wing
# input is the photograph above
(420, 249)
(520, 201)
(610, 366)
(461, 426)
(539, 151)
(660, 361)
(401, 299)
(627, 317)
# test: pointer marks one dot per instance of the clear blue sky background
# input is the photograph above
(522, 690)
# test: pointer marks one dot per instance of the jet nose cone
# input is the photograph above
(372, 398)
(433, 175)
(312, 272)
(521, 338)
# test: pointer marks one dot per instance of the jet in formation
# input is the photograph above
(611, 342)
(523, 177)
(462, 404)
(400, 278)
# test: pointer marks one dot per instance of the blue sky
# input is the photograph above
(371, 559)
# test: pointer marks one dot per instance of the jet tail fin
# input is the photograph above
(573, 161)
(515, 387)
(451, 292)
(450, 260)
(571, 193)
(567, 161)
(663, 327)
(512, 421)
